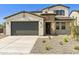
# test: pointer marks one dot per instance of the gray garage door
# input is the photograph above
(24, 28)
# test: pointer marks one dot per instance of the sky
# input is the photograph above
(9, 9)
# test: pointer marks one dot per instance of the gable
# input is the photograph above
(23, 16)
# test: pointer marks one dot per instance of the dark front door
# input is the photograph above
(48, 26)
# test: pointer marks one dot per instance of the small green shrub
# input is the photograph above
(76, 47)
(65, 39)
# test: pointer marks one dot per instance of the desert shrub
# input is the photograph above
(65, 39)
(49, 37)
(48, 47)
(76, 47)
(74, 30)
(61, 43)
(44, 41)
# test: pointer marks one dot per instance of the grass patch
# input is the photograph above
(76, 47)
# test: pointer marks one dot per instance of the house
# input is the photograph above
(49, 21)
(75, 14)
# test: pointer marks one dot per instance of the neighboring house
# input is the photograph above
(75, 14)
(49, 21)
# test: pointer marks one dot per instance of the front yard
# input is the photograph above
(61, 44)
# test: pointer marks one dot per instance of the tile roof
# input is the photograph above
(21, 12)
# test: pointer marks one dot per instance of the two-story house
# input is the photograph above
(49, 21)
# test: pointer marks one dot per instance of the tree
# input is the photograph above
(1, 26)
(74, 30)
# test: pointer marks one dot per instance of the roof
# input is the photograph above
(21, 12)
(74, 11)
(67, 18)
(36, 11)
(55, 6)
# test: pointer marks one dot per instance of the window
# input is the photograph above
(60, 25)
(62, 12)
(57, 25)
(59, 12)
(63, 25)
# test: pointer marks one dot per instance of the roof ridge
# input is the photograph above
(22, 12)
(56, 5)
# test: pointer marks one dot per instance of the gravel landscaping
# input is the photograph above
(61, 44)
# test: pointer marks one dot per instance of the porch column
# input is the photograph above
(8, 28)
(53, 27)
(41, 27)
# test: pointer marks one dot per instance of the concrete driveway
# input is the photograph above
(17, 44)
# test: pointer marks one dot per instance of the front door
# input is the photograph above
(48, 28)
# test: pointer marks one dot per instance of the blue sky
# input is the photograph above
(8, 9)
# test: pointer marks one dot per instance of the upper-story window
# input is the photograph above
(59, 12)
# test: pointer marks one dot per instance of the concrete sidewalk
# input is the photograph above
(17, 44)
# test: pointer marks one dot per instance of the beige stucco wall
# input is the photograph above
(51, 19)
(28, 17)
(51, 10)
(75, 15)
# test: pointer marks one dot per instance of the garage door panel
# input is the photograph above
(28, 32)
(24, 28)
